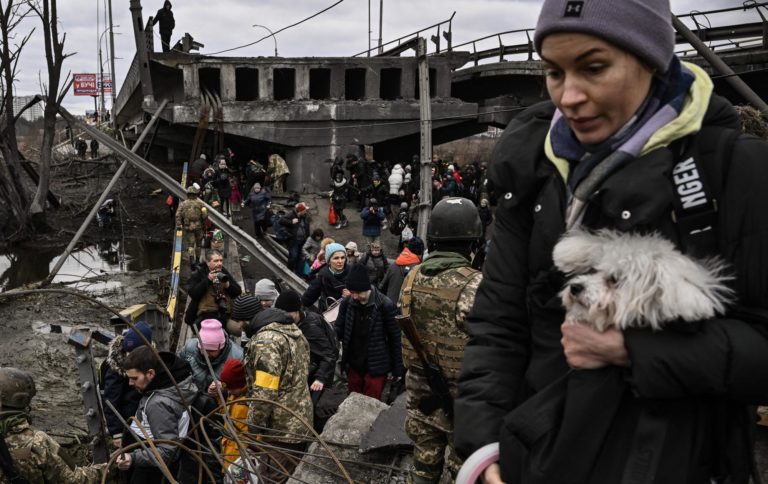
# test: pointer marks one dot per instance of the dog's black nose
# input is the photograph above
(575, 289)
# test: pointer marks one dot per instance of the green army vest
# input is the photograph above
(434, 305)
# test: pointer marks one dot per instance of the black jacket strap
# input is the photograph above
(647, 445)
(698, 179)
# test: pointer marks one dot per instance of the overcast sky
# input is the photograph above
(341, 31)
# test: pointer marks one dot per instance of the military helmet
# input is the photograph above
(192, 189)
(16, 388)
(454, 218)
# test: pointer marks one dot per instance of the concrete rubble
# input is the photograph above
(344, 433)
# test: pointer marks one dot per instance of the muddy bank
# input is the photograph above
(30, 341)
(30, 323)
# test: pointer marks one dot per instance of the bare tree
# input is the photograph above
(54, 56)
(13, 195)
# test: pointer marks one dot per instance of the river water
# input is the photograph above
(23, 266)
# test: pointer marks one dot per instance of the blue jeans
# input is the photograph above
(295, 258)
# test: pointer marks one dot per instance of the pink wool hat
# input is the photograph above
(211, 335)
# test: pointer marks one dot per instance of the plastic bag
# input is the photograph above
(332, 218)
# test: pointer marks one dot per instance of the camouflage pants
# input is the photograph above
(431, 435)
(192, 242)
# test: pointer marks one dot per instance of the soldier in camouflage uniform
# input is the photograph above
(437, 295)
(278, 171)
(33, 454)
(277, 368)
(189, 216)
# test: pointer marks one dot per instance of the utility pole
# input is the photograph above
(425, 115)
(100, 83)
(369, 28)
(381, 23)
(113, 74)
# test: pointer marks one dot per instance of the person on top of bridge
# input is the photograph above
(167, 24)
(624, 144)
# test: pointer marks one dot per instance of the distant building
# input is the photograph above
(31, 114)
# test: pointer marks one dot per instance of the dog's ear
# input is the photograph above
(577, 252)
(692, 290)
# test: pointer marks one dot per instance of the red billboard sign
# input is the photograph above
(85, 85)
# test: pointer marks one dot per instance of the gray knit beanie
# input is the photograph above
(642, 27)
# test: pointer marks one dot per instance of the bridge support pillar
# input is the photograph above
(309, 170)
(227, 79)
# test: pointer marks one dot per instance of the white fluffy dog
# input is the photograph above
(625, 280)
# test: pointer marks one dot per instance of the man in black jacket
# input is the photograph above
(369, 335)
(211, 289)
(167, 24)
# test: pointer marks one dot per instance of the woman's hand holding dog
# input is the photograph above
(586, 348)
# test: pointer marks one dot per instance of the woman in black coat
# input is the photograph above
(670, 406)
(330, 281)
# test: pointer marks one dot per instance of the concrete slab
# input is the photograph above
(388, 430)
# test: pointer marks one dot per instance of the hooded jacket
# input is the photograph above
(116, 389)
(162, 411)
(698, 381)
(202, 377)
(277, 366)
(165, 17)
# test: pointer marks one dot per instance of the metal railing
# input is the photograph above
(740, 36)
(392, 47)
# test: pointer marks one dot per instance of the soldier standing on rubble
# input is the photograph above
(437, 295)
(26, 454)
(167, 24)
(189, 216)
